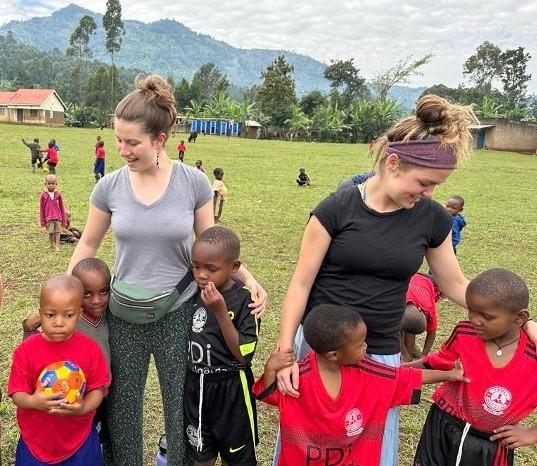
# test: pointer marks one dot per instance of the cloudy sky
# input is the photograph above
(376, 33)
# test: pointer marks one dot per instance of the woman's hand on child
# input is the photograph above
(279, 360)
(259, 296)
(287, 379)
(213, 299)
(515, 436)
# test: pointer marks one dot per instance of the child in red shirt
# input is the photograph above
(420, 315)
(477, 424)
(181, 148)
(344, 397)
(52, 430)
(52, 211)
(52, 157)
(99, 161)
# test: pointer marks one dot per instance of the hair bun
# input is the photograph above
(431, 109)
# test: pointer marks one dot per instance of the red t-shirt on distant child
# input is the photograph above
(52, 438)
(495, 396)
(181, 148)
(52, 156)
(100, 152)
(424, 294)
(317, 430)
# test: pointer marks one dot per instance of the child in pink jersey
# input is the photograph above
(52, 211)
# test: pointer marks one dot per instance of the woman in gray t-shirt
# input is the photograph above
(155, 207)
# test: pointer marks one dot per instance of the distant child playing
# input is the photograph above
(181, 148)
(53, 431)
(51, 158)
(420, 315)
(303, 179)
(477, 424)
(68, 233)
(344, 396)
(455, 205)
(52, 211)
(35, 153)
(199, 166)
(220, 416)
(99, 161)
(220, 193)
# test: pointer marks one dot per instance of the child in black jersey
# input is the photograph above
(222, 341)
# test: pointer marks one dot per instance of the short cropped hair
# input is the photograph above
(414, 321)
(326, 326)
(458, 199)
(63, 283)
(218, 172)
(223, 236)
(501, 288)
(92, 264)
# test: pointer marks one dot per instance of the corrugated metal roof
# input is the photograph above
(480, 126)
(27, 97)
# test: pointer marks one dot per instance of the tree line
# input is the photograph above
(353, 110)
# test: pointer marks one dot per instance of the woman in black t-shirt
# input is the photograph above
(363, 243)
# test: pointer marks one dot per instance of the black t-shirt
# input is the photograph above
(207, 349)
(371, 258)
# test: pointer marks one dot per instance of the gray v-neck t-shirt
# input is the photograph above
(153, 242)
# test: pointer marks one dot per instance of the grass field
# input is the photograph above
(269, 212)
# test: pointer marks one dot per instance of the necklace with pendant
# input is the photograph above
(499, 351)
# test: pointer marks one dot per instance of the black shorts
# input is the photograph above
(228, 417)
(441, 437)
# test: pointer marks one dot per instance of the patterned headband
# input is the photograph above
(424, 153)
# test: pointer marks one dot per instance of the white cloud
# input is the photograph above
(376, 33)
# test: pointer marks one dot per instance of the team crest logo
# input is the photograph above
(353, 422)
(199, 319)
(192, 434)
(497, 400)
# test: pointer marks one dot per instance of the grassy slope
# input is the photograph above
(269, 212)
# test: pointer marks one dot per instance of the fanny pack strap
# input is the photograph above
(185, 281)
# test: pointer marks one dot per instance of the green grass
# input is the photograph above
(269, 213)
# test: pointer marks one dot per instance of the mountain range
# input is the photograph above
(169, 48)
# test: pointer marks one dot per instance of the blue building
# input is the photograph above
(215, 126)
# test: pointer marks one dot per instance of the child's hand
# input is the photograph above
(45, 403)
(43, 229)
(32, 322)
(457, 374)
(69, 409)
(515, 436)
(213, 299)
(279, 360)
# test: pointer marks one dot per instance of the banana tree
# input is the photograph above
(298, 121)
